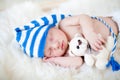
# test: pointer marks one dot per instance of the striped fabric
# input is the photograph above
(111, 31)
(32, 36)
(114, 64)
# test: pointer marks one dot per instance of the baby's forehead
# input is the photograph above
(51, 33)
(52, 30)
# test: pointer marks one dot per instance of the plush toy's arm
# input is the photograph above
(70, 53)
(110, 43)
(89, 60)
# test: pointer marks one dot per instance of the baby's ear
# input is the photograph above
(78, 35)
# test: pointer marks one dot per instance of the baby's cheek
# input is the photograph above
(57, 54)
(62, 53)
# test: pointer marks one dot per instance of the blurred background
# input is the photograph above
(95, 7)
(15, 13)
(8, 3)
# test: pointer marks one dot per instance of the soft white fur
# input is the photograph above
(14, 65)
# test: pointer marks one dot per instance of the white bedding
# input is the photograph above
(14, 65)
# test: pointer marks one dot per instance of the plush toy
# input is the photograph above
(78, 46)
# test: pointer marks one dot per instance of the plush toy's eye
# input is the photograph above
(79, 42)
(77, 47)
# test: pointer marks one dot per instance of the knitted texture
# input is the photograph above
(32, 36)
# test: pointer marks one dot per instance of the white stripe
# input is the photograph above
(30, 25)
(30, 40)
(37, 42)
(23, 36)
(50, 19)
(41, 22)
(67, 15)
(58, 18)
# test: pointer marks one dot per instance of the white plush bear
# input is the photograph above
(78, 46)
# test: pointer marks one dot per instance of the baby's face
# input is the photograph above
(56, 43)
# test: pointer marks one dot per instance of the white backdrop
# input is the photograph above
(14, 65)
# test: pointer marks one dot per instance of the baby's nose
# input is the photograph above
(79, 42)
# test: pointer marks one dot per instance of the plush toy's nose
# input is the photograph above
(78, 47)
(79, 42)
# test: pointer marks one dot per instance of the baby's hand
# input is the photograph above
(50, 60)
(46, 59)
(55, 60)
(95, 41)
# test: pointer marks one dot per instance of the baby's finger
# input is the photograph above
(94, 47)
(98, 46)
(101, 38)
(99, 42)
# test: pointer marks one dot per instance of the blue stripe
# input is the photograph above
(112, 35)
(115, 41)
(26, 39)
(46, 21)
(114, 48)
(54, 19)
(17, 29)
(62, 16)
(107, 25)
(69, 15)
(99, 19)
(24, 51)
(26, 27)
(110, 30)
(33, 41)
(36, 23)
(43, 41)
(18, 37)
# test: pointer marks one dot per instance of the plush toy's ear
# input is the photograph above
(78, 35)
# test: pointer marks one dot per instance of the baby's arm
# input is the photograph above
(94, 39)
(87, 29)
(66, 61)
